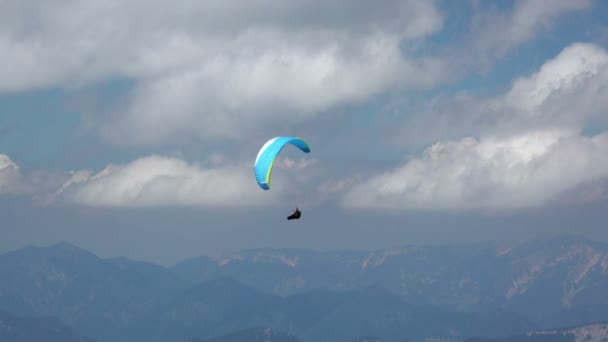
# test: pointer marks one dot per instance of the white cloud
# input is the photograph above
(496, 33)
(523, 148)
(333, 189)
(214, 69)
(520, 171)
(146, 38)
(227, 94)
(166, 181)
(34, 183)
(299, 164)
(11, 179)
(156, 181)
(579, 72)
(568, 92)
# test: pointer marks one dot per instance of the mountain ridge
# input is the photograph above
(559, 280)
(15, 328)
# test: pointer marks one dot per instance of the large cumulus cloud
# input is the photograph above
(158, 180)
(527, 146)
(568, 91)
(168, 181)
(210, 69)
(519, 171)
(237, 69)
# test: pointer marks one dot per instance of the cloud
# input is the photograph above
(97, 40)
(160, 181)
(496, 33)
(522, 148)
(299, 164)
(36, 184)
(204, 69)
(165, 181)
(586, 193)
(227, 95)
(332, 190)
(11, 179)
(568, 92)
(520, 171)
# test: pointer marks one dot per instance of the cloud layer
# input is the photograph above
(567, 92)
(216, 70)
(11, 179)
(529, 147)
(498, 32)
(168, 181)
(230, 72)
(520, 171)
(165, 181)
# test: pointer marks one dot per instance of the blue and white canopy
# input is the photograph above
(267, 155)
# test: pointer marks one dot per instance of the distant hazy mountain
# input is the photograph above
(36, 329)
(252, 335)
(555, 282)
(394, 294)
(597, 332)
(97, 296)
(223, 305)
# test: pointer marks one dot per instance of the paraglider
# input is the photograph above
(264, 162)
(295, 216)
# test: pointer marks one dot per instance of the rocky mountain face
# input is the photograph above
(554, 282)
(413, 292)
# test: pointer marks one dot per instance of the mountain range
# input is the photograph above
(553, 282)
(28, 329)
(595, 332)
(398, 294)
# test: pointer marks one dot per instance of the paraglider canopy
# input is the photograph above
(264, 162)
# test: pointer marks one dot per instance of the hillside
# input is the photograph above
(35, 329)
(411, 292)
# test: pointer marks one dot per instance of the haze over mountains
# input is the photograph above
(399, 294)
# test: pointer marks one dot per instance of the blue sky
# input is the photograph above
(130, 127)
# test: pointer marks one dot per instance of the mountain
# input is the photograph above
(98, 296)
(252, 335)
(558, 282)
(279, 271)
(34, 329)
(532, 337)
(597, 332)
(555, 282)
(222, 305)
(412, 292)
(215, 307)
(375, 311)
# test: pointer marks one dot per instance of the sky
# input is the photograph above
(130, 128)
